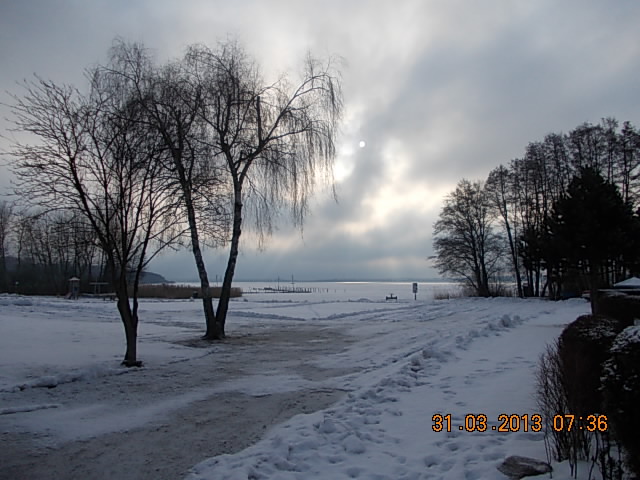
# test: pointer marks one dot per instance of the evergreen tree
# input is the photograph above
(589, 232)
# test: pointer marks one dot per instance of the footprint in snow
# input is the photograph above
(353, 472)
(353, 444)
(492, 456)
(471, 457)
(431, 460)
(447, 465)
(453, 447)
(439, 443)
(472, 475)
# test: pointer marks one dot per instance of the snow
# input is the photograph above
(633, 282)
(337, 384)
(627, 337)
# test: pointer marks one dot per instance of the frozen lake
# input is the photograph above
(345, 291)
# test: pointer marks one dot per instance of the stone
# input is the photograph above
(516, 467)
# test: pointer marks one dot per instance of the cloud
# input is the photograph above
(437, 90)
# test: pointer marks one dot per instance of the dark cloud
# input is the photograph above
(438, 92)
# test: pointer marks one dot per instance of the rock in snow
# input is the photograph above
(516, 467)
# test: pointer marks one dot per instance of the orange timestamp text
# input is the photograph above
(479, 422)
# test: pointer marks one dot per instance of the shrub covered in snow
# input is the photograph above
(583, 348)
(623, 307)
(621, 391)
(568, 383)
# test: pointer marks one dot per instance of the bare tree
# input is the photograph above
(274, 140)
(500, 192)
(171, 100)
(45, 243)
(6, 218)
(93, 158)
(51, 247)
(587, 146)
(628, 167)
(533, 191)
(464, 241)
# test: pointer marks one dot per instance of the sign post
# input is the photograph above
(415, 291)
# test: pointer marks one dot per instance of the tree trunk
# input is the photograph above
(485, 279)
(594, 285)
(225, 294)
(207, 302)
(130, 322)
(512, 246)
(212, 331)
(4, 283)
(514, 259)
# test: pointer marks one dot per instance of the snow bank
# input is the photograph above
(383, 429)
(52, 381)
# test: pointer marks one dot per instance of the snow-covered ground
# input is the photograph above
(333, 384)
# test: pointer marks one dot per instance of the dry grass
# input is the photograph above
(180, 291)
(465, 291)
(449, 294)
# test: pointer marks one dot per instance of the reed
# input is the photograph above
(170, 291)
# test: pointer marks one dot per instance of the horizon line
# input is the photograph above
(284, 281)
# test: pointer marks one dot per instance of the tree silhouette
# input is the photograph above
(590, 230)
(274, 140)
(465, 243)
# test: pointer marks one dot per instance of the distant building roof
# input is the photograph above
(633, 282)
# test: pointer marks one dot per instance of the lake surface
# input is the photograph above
(374, 291)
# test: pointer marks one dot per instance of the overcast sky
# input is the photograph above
(437, 90)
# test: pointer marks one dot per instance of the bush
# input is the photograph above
(621, 392)
(583, 348)
(552, 400)
(622, 307)
(448, 294)
(499, 290)
(568, 382)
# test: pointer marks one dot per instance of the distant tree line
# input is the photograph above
(559, 220)
(153, 156)
(40, 252)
